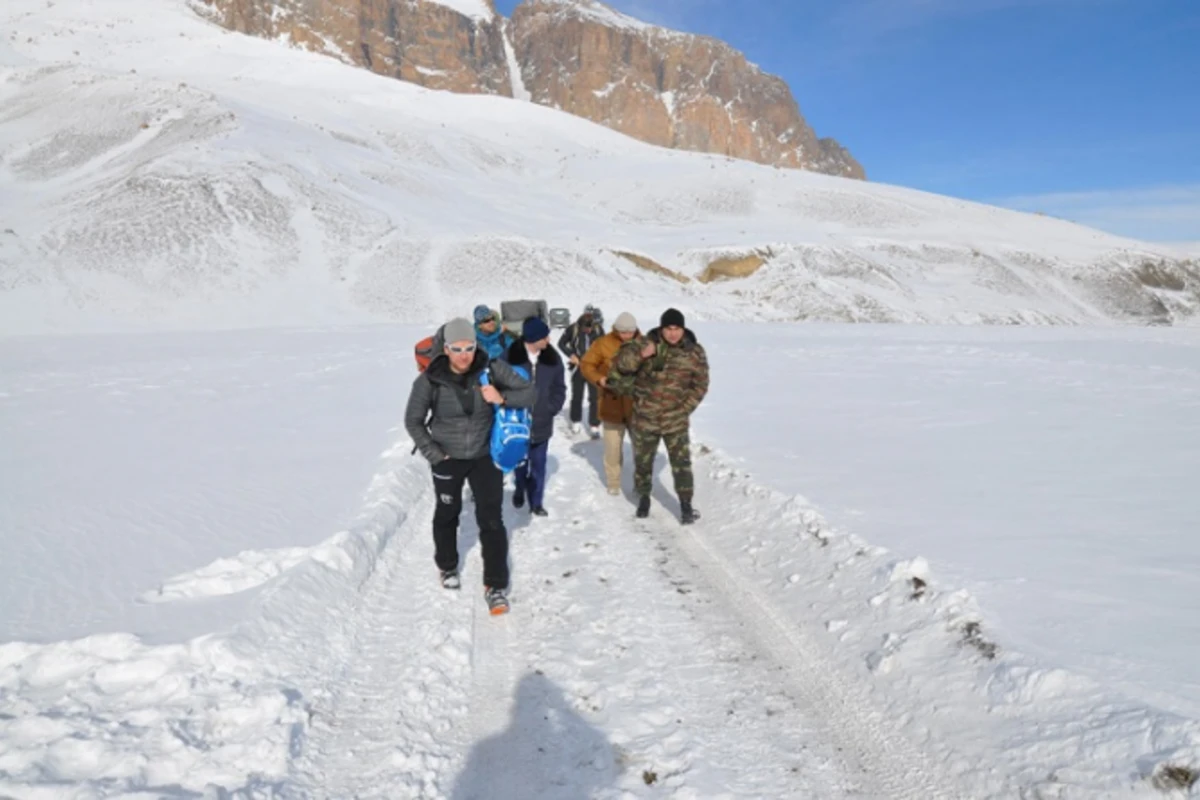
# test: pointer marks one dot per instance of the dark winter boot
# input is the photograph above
(687, 514)
(450, 579)
(518, 498)
(643, 509)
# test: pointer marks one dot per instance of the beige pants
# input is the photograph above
(614, 451)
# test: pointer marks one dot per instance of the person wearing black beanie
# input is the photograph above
(672, 318)
(666, 372)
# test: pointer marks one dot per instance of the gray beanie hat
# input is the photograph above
(625, 323)
(458, 330)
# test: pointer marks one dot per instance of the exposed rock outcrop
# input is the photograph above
(419, 41)
(660, 86)
(664, 87)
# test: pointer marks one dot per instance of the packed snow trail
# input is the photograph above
(381, 721)
(709, 661)
(631, 659)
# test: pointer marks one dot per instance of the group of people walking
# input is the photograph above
(645, 384)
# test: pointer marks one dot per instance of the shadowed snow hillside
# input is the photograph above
(156, 170)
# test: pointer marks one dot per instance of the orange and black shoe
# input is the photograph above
(497, 600)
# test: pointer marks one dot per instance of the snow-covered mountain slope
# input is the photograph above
(157, 170)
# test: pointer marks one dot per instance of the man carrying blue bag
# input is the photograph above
(534, 354)
(450, 421)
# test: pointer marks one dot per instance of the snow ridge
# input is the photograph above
(472, 9)
(605, 15)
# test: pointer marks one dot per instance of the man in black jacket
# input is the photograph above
(574, 343)
(534, 353)
(449, 417)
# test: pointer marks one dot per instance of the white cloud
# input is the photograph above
(1162, 213)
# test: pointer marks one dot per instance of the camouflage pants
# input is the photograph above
(679, 452)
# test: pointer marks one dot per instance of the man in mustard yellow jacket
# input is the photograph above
(615, 410)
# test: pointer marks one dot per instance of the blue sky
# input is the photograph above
(1086, 109)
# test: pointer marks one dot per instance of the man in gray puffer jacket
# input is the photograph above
(450, 421)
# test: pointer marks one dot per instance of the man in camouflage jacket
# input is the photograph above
(668, 372)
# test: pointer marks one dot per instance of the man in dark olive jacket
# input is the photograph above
(449, 417)
(668, 370)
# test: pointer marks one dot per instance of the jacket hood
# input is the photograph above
(519, 356)
(490, 337)
(439, 368)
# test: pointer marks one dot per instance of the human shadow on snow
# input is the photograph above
(663, 488)
(592, 451)
(547, 751)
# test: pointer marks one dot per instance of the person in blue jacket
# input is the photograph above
(492, 338)
(538, 357)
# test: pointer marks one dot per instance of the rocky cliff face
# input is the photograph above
(422, 42)
(664, 87)
(667, 88)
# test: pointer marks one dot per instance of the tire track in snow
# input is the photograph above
(633, 655)
(659, 692)
(420, 674)
(491, 669)
(428, 696)
(867, 742)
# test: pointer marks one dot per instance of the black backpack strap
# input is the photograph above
(433, 401)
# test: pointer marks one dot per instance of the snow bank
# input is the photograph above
(111, 713)
(1002, 723)
(227, 713)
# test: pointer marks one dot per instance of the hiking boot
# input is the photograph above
(497, 600)
(539, 512)
(643, 509)
(450, 579)
(518, 499)
(687, 514)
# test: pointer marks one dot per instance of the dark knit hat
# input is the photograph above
(534, 330)
(672, 316)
